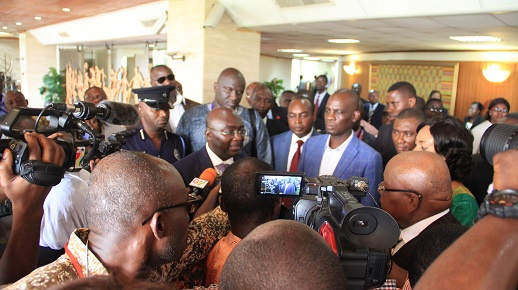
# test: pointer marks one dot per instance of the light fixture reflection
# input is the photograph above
(495, 74)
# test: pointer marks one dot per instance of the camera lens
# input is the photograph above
(498, 138)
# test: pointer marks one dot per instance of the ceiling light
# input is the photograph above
(311, 58)
(5, 34)
(300, 54)
(37, 18)
(289, 50)
(343, 40)
(5, 27)
(18, 23)
(476, 38)
(66, 9)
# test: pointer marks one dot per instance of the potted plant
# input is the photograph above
(53, 89)
(276, 86)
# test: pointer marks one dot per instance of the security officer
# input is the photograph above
(151, 137)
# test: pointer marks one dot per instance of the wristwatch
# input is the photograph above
(502, 203)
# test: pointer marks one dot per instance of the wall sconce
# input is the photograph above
(495, 74)
(350, 69)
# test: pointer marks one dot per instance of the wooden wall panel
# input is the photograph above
(471, 85)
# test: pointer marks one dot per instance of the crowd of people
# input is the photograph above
(134, 220)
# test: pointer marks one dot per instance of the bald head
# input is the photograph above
(221, 121)
(423, 172)
(282, 254)
(229, 88)
(14, 99)
(249, 89)
(125, 188)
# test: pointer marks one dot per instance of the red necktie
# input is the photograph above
(294, 166)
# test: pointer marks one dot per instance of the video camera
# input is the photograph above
(361, 236)
(58, 118)
(498, 138)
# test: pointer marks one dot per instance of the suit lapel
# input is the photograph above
(286, 151)
(347, 157)
(314, 159)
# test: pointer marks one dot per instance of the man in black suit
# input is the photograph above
(262, 101)
(320, 102)
(373, 109)
(416, 192)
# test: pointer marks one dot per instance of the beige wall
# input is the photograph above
(35, 61)
(208, 50)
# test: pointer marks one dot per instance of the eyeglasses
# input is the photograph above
(439, 110)
(381, 189)
(161, 80)
(191, 205)
(236, 133)
(498, 110)
(229, 90)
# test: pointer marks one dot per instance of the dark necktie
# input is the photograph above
(294, 166)
(222, 166)
(316, 103)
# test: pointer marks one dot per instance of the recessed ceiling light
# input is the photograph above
(343, 40)
(18, 23)
(328, 60)
(312, 58)
(300, 54)
(37, 17)
(476, 38)
(66, 9)
(5, 27)
(289, 50)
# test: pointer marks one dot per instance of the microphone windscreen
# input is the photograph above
(210, 175)
(119, 113)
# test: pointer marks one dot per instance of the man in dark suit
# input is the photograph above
(340, 152)
(320, 101)
(262, 101)
(373, 109)
(300, 120)
(400, 96)
(416, 192)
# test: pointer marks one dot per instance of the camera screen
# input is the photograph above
(285, 185)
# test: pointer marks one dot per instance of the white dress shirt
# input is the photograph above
(216, 160)
(319, 97)
(294, 146)
(331, 156)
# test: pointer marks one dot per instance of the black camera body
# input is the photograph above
(361, 236)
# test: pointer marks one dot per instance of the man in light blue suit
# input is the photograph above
(339, 152)
(300, 120)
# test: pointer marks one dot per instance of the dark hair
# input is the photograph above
(411, 113)
(429, 245)
(405, 87)
(238, 192)
(420, 104)
(433, 92)
(434, 100)
(453, 141)
(323, 76)
(496, 102)
(480, 107)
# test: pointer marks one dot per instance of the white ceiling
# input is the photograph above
(380, 25)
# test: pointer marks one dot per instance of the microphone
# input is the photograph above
(118, 113)
(206, 179)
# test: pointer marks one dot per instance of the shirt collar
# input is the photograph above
(77, 245)
(343, 145)
(215, 158)
(407, 234)
(294, 137)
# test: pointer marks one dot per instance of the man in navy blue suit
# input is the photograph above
(300, 120)
(320, 101)
(373, 109)
(340, 152)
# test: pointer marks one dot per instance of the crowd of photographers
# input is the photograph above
(136, 221)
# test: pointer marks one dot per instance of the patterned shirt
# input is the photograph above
(62, 270)
(218, 256)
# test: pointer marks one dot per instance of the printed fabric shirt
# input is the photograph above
(62, 270)
(217, 258)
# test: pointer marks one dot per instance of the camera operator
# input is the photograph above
(21, 253)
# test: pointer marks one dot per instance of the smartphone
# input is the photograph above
(283, 184)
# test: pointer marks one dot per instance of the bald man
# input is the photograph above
(14, 99)
(263, 102)
(249, 89)
(228, 90)
(282, 254)
(400, 96)
(417, 193)
(136, 221)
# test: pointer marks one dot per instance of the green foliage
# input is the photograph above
(276, 86)
(53, 89)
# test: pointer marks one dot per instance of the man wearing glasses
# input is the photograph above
(151, 137)
(162, 75)
(228, 91)
(416, 192)
(225, 134)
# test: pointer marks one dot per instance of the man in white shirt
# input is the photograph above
(416, 192)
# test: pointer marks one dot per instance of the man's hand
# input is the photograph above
(505, 167)
(19, 190)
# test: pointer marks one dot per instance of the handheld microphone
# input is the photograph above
(206, 179)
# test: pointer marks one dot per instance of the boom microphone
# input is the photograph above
(118, 113)
(206, 179)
